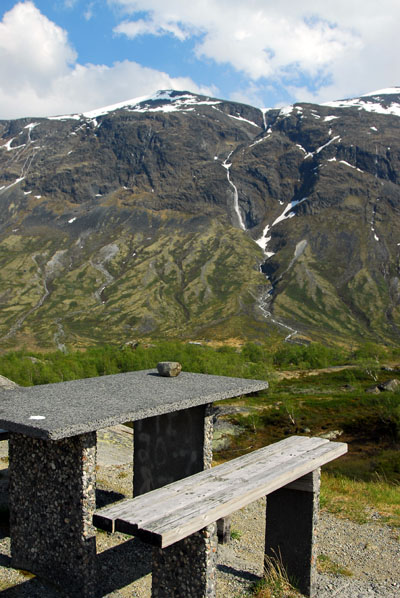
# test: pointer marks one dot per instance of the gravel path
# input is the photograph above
(371, 552)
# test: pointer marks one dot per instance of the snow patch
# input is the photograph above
(301, 148)
(72, 220)
(31, 126)
(244, 120)
(326, 144)
(264, 239)
(382, 92)
(258, 141)
(8, 147)
(351, 165)
(286, 110)
(66, 117)
(370, 102)
(287, 213)
(12, 184)
(329, 118)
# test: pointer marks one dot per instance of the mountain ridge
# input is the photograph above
(185, 215)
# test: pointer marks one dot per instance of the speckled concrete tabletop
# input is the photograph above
(66, 409)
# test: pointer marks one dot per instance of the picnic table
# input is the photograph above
(52, 457)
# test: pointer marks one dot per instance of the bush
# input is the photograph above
(309, 356)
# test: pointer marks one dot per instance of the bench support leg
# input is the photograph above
(224, 530)
(292, 514)
(52, 500)
(186, 568)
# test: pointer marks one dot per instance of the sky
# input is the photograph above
(68, 56)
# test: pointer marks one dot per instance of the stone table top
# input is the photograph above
(56, 411)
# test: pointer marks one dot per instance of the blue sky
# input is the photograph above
(61, 56)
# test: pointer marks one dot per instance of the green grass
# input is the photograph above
(235, 534)
(326, 565)
(361, 501)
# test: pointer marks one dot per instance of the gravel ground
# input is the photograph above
(371, 552)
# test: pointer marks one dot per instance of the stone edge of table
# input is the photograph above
(65, 415)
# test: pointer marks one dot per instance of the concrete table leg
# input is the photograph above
(187, 568)
(292, 514)
(52, 500)
(168, 448)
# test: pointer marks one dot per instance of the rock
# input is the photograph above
(6, 384)
(373, 389)
(33, 359)
(332, 434)
(390, 385)
(169, 368)
(131, 345)
(348, 387)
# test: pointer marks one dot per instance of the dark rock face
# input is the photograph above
(130, 221)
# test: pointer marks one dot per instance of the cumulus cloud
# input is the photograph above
(340, 47)
(40, 74)
(313, 50)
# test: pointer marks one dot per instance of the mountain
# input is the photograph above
(187, 216)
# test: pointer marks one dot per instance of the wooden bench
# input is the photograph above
(287, 471)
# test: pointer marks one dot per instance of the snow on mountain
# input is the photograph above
(161, 101)
(374, 101)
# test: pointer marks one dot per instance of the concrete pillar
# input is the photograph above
(291, 518)
(52, 500)
(224, 530)
(168, 448)
(187, 568)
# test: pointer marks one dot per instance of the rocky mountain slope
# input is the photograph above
(188, 216)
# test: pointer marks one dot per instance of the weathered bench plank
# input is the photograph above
(166, 496)
(169, 514)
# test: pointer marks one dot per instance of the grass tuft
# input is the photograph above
(275, 582)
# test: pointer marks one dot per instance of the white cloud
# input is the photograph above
(89, 12)
(40, 75)
(141, 27)
(315, 50)
(33, 50)
(344, 47)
